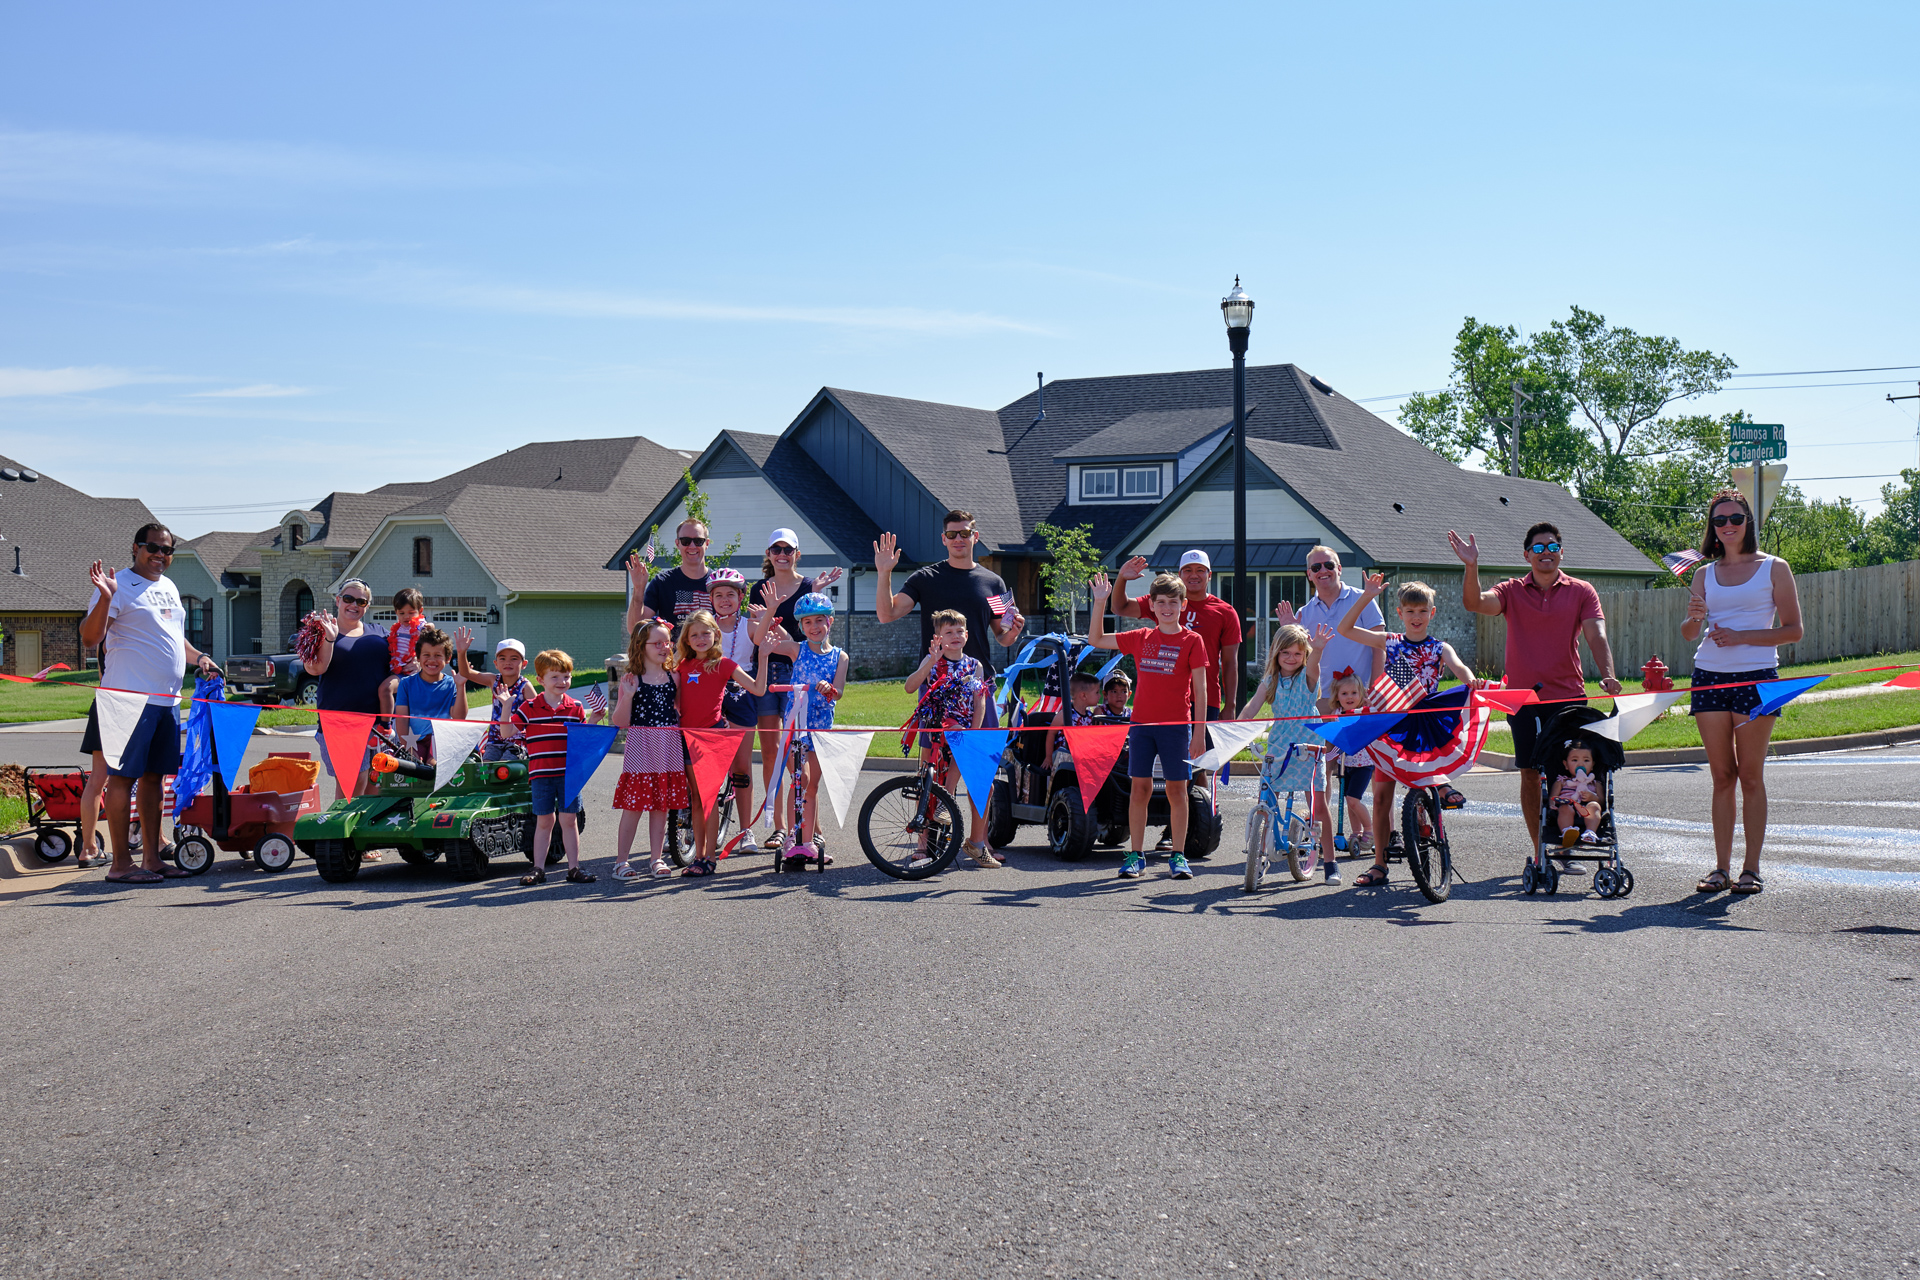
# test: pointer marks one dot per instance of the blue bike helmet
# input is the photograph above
(811, 605)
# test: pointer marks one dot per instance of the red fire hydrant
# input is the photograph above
(1653, 676)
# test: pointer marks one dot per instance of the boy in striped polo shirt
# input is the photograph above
(542, 722)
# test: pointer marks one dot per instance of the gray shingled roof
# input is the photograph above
(956, 452)
(59, 532)
(1153, 434)
(223, 552)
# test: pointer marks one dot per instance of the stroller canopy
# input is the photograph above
(1570, 726)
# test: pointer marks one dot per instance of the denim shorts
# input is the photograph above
(153, 747)
(1168, 741)
(1743, 700)
(547, 792)
(779, 671)
(741, 709)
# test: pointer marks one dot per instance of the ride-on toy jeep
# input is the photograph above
(1028, 789)
(484, 812)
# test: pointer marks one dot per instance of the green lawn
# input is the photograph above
(1909, 659)
(13, 815)
(60, 698)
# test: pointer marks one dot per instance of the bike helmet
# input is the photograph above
(811, 605)
(726, 578)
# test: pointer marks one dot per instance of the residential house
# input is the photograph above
(511, 546)
(1142, 460)
(50, 535)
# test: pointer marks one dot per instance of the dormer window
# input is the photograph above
(1140, 482)
(296, 534)
(1099, 482)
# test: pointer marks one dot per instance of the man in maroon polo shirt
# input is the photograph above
(1217, 622)
(1547, 612)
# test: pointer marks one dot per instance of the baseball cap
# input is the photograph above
(787, 536)
(1194, 557)
(514, 645)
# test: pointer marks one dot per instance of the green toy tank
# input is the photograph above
(484, 812)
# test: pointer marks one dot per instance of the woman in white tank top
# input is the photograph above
(1744, 605)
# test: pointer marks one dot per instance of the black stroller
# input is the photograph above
(1571, 728)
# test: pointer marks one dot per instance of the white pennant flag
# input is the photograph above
(453, 742)
(1632, 713)
(840, 756)
(1230, 738)
(117, 712)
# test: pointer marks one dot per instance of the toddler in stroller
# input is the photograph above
(1576, 805)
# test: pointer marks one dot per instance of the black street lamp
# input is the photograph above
(1237, 307)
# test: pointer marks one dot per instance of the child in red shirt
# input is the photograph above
(542, 721)
(403, 642)
(1169, 709)
(702, 672)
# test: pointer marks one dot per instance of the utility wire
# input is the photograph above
(1805, 373)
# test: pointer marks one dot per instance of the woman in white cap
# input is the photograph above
(780, 586)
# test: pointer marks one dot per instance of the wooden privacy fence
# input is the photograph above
(1846, 612)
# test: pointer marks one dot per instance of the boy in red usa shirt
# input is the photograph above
(1169, 709)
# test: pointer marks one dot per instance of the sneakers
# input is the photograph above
(1177, 867)
(1166, 843)
(1333, 873)
(1568, 867)
(981, 856)
(1133, 867)
(1362, 843)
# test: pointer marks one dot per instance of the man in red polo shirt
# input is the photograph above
(1217, 622)
(1547, 612)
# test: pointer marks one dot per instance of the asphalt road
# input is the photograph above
(1038, 1071)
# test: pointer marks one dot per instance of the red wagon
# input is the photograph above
(53, 805)
(253, 824)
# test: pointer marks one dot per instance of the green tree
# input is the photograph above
(1657, 498)
(1619, 380)
(1815, 535)
(1894, 534)
(1471, 421)
(1072, 560)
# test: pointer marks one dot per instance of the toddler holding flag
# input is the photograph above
(953, 695)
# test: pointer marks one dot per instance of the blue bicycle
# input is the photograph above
(1275, 831)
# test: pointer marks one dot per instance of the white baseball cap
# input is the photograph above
(787, 536)
(514, 645)
(1195, 557)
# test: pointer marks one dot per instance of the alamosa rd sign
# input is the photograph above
(1756, 442)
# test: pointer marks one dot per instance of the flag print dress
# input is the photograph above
(653, 772)
(1292, 697)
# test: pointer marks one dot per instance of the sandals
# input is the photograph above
(1714, 881)
(1373, 877)
(701, 867)
(138, 875)
(1450, 798)
(624, 872)
(576, 876)
(1749, 882)
(533, 878)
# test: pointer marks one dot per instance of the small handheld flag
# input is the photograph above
(1682, 562)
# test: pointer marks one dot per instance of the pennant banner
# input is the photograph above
(233, 724)
(38, 677)
(117, 713)
(977, 752)
(344, 736)
(710, 754)
(840, 756)
(1911, 680)
(1775, 694)
(1094, 748)
(1413, 754)
(587, 746)
(1352, 733)
(453, 742)
(1509, 700)
(1632, 712)
(1230, 738)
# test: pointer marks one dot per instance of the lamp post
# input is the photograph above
(1237, 308)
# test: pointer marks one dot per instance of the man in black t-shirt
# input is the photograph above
(677, 592)
(979, 595)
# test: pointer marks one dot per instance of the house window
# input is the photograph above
(1103, 482)
(1140, 482)
(423, 557)
(199, 628)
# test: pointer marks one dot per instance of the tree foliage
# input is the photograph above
(1072, 560)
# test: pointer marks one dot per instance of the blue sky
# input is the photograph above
(250, 254)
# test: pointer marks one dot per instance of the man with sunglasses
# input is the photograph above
(1329, 603)
(138, 612)
(1547, 613)
(677, 592)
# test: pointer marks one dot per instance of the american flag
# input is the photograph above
(1395, 689)
(1000, 604)
(595, 699)
(1045, 704)
(1682, 562)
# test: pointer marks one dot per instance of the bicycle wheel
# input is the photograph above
(1259, 846)
(910, 827)
(679, 848)
(1423, 835)
(1303, 849)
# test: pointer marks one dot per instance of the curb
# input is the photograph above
(1791, 747)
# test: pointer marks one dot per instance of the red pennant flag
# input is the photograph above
(1094, 748)
(1509, 700)
(1911, 680)
(711, 753)
(345, 735)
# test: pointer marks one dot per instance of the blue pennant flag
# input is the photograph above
(1352, 733)
(587, 746)
(978, 752)
(1775, 694)
(233, 724)
(215, 729)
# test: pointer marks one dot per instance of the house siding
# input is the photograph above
(1273, 515)
(387, 567)
(586, 627)
(749, 508)
(882, 488)
(59, 640)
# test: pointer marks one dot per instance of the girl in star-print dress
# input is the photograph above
(653, 773)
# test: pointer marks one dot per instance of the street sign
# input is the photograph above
(1756, 442)
(1769, 452)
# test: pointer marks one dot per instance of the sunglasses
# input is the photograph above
(692, 542)
(156, 548)
(1736, 519)
(780, 549)
(1325, 566)
(358, 602)
(957, 533)
(1544, 548)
